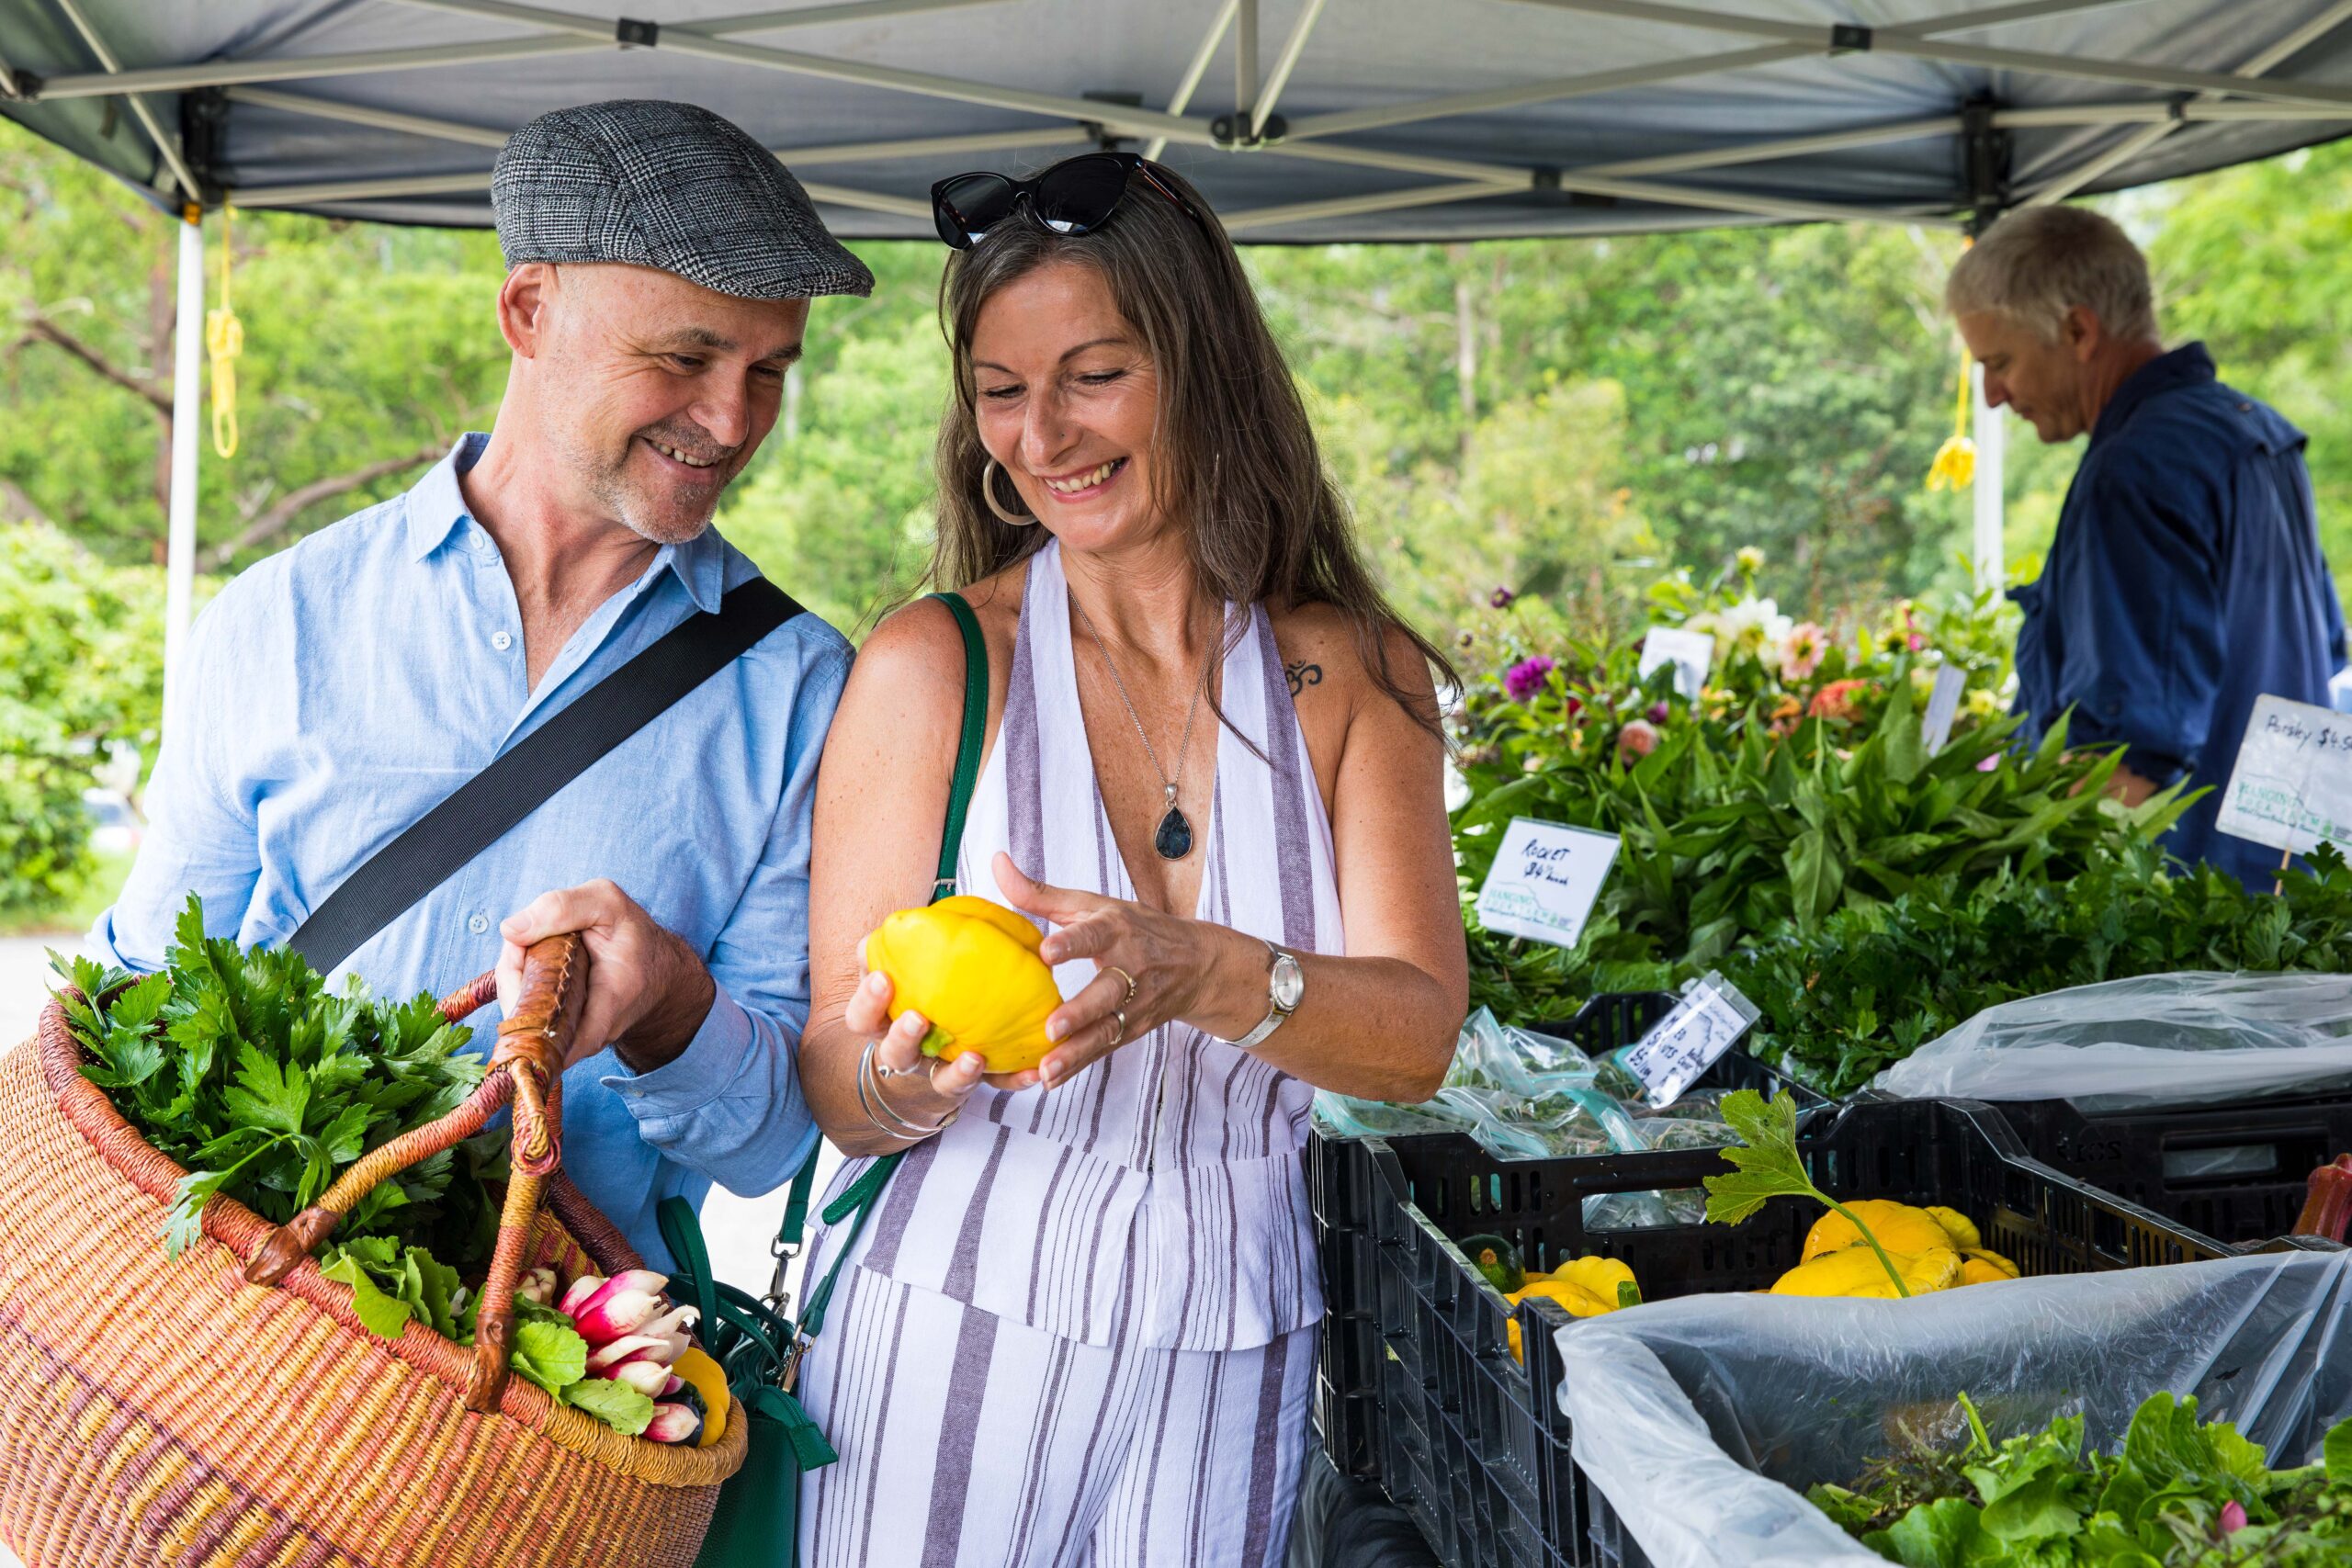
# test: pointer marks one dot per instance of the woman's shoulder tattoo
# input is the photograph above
(1303, 675)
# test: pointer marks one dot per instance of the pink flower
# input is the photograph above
(1839, 699)
(1917, 642)
(1524, 678)
(1638, 739)
(1801, 655)
(2233, 1517)
(1989, 764)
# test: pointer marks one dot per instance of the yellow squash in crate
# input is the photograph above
(1934, 1248)
(1585, 1287)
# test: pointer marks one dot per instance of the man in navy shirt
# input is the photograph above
(2186, 577)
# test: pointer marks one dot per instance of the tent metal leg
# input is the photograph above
(188, 418)
(1991, 435)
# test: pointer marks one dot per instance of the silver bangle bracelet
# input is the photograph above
(870, 1098)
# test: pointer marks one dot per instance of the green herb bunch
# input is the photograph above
(1875, 982)
(1732, 838)
(2177, 1493)
(244, 1068)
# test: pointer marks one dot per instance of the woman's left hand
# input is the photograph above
(1167, 959)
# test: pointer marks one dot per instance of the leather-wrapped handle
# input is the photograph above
(527, 1071)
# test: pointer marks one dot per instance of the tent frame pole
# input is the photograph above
(2138, 141)
(187, 417)
(1986, 493)
(1182, 98)
(1918, 45)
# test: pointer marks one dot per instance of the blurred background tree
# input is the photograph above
(1566, 418)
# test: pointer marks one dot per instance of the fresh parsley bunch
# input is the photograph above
(241, 1067)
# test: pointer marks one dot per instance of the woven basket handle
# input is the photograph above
(525, 1070)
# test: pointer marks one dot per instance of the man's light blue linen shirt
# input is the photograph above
(335, 692)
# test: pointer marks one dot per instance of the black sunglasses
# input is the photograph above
(1076, 195)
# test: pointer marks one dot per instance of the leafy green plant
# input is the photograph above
(244, 1068)
(1875, 982)
(2176, 1493)
(1768, 1166)
(1731, 838)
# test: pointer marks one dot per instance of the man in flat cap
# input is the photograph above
(660, 263)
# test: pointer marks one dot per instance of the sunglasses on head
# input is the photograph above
(1076, 195)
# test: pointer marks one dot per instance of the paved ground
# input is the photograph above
(738, 1229)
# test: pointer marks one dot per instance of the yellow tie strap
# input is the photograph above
(1955, 464)
(224, 339)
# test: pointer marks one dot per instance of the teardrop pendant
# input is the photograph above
(1174, 839)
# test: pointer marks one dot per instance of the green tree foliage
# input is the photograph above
(81, 667)
(366, 349)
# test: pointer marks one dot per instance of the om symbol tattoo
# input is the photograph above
(1303, 675)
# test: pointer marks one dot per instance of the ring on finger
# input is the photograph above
(1127, 1000)
(1118, 1025)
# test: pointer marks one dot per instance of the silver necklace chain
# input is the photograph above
(1168, 785)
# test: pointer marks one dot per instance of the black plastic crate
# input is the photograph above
(1348, 1360)
(1471, 1444)
(1611, 1545)
(2238, 1171)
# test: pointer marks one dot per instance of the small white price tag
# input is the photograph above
(1705, 1023)
(1943, 706)
(1545, 880)
(1693, 654)
(2292, 788)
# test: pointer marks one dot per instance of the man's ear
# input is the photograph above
(525, 301)
(2084, 334)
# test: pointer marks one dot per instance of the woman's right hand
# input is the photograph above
(923, 1089)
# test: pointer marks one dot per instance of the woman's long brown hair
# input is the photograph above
(1235, 457)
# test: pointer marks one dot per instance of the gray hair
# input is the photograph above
(2039, 262)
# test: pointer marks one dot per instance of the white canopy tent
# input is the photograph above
(1344, 120)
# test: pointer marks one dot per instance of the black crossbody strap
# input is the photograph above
(480, 811)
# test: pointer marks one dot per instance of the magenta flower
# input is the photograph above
(2233, 1517)
(1659, 711)
(1524, 678)
(1501, 598)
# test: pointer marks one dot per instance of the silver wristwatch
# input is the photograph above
(1285, 988)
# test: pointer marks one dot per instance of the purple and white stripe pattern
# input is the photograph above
(968, 1441)
(1159, 1194)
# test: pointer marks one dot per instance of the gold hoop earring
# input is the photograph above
(987, 493)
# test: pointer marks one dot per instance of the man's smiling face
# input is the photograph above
(660, 390)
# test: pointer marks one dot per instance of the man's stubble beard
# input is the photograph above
(610, 486)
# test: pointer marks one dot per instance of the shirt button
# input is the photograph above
(477, 924)
(501, 641)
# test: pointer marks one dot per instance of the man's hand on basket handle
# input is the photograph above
(648, 993)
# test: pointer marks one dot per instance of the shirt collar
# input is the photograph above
(436, 506)
(2184, 367)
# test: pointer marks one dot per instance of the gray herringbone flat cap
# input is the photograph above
(667, 185)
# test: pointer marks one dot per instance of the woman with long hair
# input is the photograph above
(1080, 1325)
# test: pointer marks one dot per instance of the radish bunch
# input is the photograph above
(634, 1334)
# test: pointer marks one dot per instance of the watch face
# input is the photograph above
(1289, 983)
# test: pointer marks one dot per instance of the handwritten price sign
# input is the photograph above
(1545, 880)
(2292, 787)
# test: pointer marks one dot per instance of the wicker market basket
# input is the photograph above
(226, 1409)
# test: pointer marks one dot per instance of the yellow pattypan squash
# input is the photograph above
(1899, 1227)
(972, 968)
(1959, 1226)
(703, 1375)
(1584, 1287)
(1978, 1267)
(1857, 1272)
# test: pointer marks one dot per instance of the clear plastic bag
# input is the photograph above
(1351, 1118)
(2157, 1040)
(1703, 1420)
(1674, 1206)
(1491, 1054)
